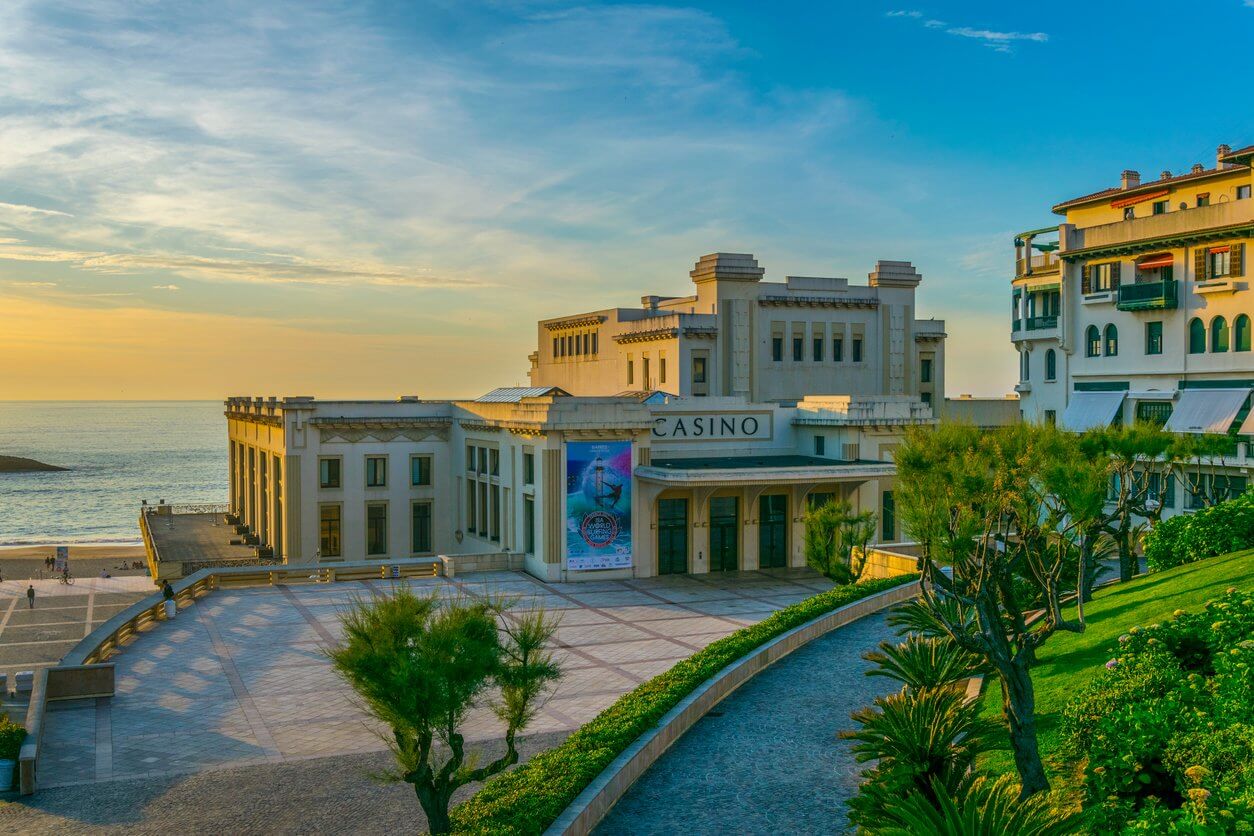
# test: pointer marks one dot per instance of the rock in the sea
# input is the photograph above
(17, 464)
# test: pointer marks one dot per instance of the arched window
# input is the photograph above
(1112, 340)
(1219, 334)
(1051, 365)
(1197, 336)
(1093, 342)
(1241, 333)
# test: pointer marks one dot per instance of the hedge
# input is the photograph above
(528, 799)
(1220, 529)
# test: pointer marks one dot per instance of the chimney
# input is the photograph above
(1221, 152)
(1197, 168)
(1129, 179)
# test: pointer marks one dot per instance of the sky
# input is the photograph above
(369, 199)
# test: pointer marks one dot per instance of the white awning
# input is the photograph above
(1247, 427)
(1153, 395)
(1091, 410)
(1206, 410)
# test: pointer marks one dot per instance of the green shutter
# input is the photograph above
(1086, 282)
(1114, 274)
(1237, 258)
(1199, 264)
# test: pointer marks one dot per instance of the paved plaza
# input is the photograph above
(240, 677)
(38, 637)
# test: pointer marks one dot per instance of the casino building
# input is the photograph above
(688, 435)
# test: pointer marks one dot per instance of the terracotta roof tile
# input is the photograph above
(1061, 208)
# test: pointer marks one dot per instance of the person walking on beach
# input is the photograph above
(167, 592)
(30, 597)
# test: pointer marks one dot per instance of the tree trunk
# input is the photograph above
(435, 805)
(1126, 560)
(1019, 705)
(1085, 581)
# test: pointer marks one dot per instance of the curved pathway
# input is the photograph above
(766, 759)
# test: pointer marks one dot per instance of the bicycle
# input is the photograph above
(66, 578)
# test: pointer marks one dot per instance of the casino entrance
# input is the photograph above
(773, 531)
(724, 533)
(672, 536)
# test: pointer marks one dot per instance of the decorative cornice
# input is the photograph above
(817, 302)
(579, 322)
(647, 336)
(1180, 239)
(382, 429)
(930, 337)
(254, 418)
(480, 426)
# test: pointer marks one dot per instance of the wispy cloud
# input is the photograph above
(23, 209)
(998, 41)
(165, 287)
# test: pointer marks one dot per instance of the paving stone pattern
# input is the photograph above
(767, 759)
(240, 678)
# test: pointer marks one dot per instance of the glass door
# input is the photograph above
(672, 536)
(724, 534)
(773, 531)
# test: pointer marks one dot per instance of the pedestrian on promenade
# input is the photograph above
(30, 597)
(167, 592)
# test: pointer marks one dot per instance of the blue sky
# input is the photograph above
(365, 199)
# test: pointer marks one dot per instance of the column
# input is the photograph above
(749, 542)
(644, 529)
(232, 491)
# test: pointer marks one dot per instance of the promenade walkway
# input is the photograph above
(240, 677)
(767, 759)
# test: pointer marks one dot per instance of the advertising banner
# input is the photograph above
(598, 505)
(62, 562)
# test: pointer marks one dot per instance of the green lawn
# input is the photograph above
(1068, 660)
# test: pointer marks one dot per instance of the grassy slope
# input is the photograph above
(1068, 660)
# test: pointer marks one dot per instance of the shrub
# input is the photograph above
(982, 805)
(11, 737)
(1166, 732)
(530, 797)
(1220, 529)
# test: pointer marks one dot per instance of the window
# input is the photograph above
(420, 471)
(1219, 263)
(1051, 417)
(631, 372)
(925, 370)
(1241, 333)
(1203, 199)
(470, 458)
(529, 468)
(420, 527)
(1153, 412)
(1129, 212)
(483, 459)
(328, 473)
(594, 342)
(661, 369)
(698, 370)
(1112, 340)
(1197, 336)
(1219, 334)
(376, 528)
(798, 349)
(838, 349)
(857, 350)
(494, 462)
(645, 380)
(529, 525)
(470, 505)
(888, 517)
(1101, 277)
(494, 512)
(1025, 366)
(1051, 365)
(818, 349)
(376, 471)
(1243, 192)
(329, 531)
(1161, 207)
(777, 349)
(1092, 342)
(557, 347)
(820, 445)
(1154, 337)
(926, 397)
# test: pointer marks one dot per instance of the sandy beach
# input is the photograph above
(86, 561)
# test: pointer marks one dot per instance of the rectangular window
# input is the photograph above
(376, 528)
(698, 370)
(1160, 207)
(1154, 337)
(925, 370)
(818, 349)
(1243, 192)
(328, 473)
(376, 471)
(926, 397)
(420, 527)
(857, 350)
(594, 342)
(644, 377)
(631, 372)
(1101, 277)
(838, 349)
(556, 352)
(470, 505)
(661, 369)
(329, 531)
(1153, 412)
(1203, 199)
(888, 517)
(494, 462)
(529, 525)
(777, 349)
(529, 468)
(798, 349)
(470, 459)
(1051, 417)
(483, 460)
(483, 509)
(820, 445)
(420, 471)
(1219, 262)
(494, 513)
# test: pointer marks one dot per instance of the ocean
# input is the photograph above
(118, 453)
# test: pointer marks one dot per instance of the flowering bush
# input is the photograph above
(1166, 731)
(1219, 529)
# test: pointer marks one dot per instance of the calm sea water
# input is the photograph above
(118, 452)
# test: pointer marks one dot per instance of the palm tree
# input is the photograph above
(925, 662)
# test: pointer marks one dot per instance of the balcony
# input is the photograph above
(1040, 323)
(1146, 296)
(1157, 230)
(1029, 327)
(1039, 265)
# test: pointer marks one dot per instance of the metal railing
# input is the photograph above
(1039, 263)
(1144, 295)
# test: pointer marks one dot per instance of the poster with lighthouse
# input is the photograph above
(598, 505)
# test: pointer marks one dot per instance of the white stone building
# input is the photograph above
(616, 463)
